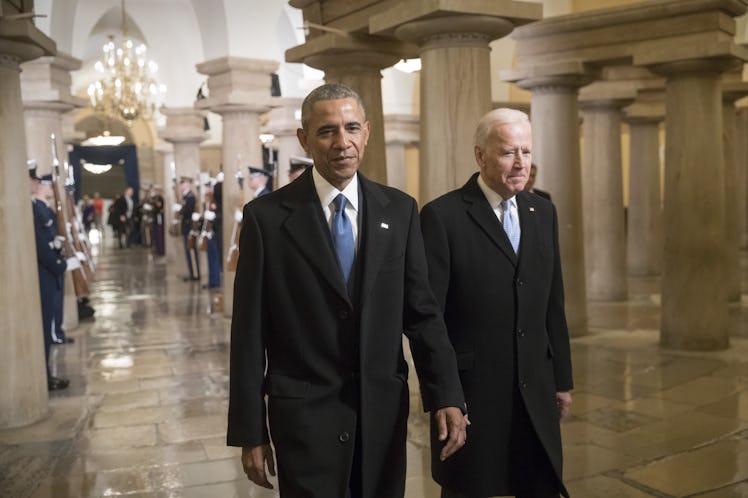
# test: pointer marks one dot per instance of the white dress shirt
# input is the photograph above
(495, 199)
(327, 194)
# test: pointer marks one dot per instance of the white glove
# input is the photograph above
(210, 215)
(206, 235)
(81, 256)
(176, 207)
(82, 237)
(57, 243)
(195, 216)
(147, 207)
(73, 264)
(238, 216)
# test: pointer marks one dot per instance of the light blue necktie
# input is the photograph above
(342, 236)
(511, 227)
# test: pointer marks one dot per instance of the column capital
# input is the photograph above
(416, 20)
(21, 41)
(236, 81)
(607, 95)
(183, 125)
(402, 128)
(559, 77)
(455, 31)
(284, 119)
(644, 112)
(333, 50)
(47, 79)
(714, 65)
(733, 91)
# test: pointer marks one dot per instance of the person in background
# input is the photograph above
(530, 187)
(495, 269)
(258, 180)
(297, 165)
(88, 214)
(186, 209)
(98, 206)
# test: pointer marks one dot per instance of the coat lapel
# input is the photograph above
(480, 211)
(375, 232)
(306, 227)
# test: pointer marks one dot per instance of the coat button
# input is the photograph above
(523, 384)
(344, 437)
(343, 314)
(521, 332)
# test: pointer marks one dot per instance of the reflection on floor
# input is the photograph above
(145, 414)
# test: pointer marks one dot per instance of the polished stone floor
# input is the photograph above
(145, 414)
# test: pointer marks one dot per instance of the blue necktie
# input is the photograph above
(511, 227)
(342, 236)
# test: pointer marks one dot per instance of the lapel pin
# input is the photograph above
(384, 225)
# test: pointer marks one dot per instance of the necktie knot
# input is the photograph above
(339, 202)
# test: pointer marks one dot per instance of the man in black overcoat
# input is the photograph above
(333, 367)
(504, 309)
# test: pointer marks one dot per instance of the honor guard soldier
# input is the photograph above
(258, 181)
(186, 210)
(51, 265)
(297, 165)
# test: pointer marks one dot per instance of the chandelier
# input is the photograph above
(128, 87)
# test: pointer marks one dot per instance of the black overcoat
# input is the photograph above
(334, 363)
(505, 318)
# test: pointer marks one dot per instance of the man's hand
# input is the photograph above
(563, 402)
(451, 424)
(253, 461)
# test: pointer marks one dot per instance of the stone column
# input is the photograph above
(455, 94)
(741, 158)
(694, 295)
(47, 100)
(23, 377)
(604, 231)
(734, 176)
(555, 124)
(644, 241)
(239, 90)
(184, 130)
(400, 130)
(362, 71)
(283, 121)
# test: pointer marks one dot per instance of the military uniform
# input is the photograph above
(51, 270)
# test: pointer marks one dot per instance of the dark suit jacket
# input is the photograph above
(334, 363)
(505, 317)
(189, 202)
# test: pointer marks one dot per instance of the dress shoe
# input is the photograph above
(66, 340)
(56, 383)
(85, 311)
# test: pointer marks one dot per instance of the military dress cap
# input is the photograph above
(31, 163)
(183, 179)
(258, 171)
(297, 163)
(46, 179)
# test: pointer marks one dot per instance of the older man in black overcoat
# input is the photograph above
(495, 269)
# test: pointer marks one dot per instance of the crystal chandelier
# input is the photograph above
(128, 87)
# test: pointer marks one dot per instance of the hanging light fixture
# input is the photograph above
(128, 87)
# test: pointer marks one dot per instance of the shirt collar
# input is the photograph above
(494, 199)
(327, 192)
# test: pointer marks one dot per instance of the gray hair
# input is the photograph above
(329, 91)
(500, 116)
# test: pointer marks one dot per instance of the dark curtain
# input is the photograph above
(116, 155)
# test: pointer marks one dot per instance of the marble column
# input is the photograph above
(734, 175)
(239, 90)
(644, 234)
(184, 130)
(400, 130)
(45, 84)
(555, 124)
(455, 94)
(23, 377)
(602, 180)
(362, 71)
(282, 123)
(694, 295)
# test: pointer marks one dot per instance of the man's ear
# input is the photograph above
(478, 155)
(301, 135)
(367, 127)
